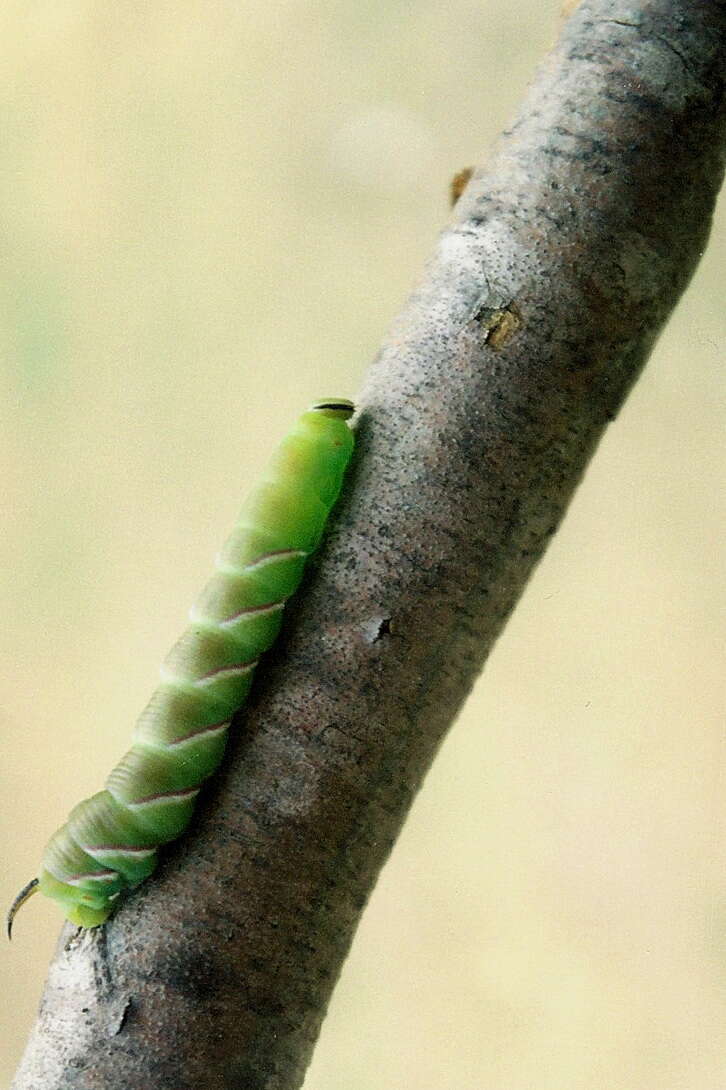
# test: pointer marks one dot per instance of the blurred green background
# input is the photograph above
(210, 211)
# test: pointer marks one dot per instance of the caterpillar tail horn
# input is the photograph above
(25, 894)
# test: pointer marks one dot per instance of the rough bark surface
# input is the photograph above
(566, 254)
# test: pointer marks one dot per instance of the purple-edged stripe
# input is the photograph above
(94, 875)
(119, 849)
(164, 796)
(104, 875)
(260, 561)
(270, 558)
(225, 672)
(215, 728)
(252, 611)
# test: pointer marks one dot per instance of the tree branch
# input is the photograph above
(544, 297)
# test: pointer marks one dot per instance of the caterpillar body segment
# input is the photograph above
(110, 841)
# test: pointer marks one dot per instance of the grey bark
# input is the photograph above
(544, 297)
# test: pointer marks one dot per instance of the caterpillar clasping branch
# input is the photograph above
(110, 841)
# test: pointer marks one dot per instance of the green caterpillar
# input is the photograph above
(110, 842)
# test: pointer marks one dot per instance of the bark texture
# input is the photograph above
(565, 256)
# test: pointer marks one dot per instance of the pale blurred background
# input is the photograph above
(210, 212)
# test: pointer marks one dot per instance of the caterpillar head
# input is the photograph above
(338, 409)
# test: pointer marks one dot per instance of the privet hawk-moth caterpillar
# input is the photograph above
(110, 842)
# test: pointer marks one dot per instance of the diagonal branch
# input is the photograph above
(567, 253)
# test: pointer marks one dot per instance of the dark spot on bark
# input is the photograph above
(376, 628)
(498, 323)
(120, 1018)
(459, 183)
(266, 1006)
(245, 1074)
(340, 730)
(193, 976)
